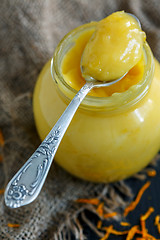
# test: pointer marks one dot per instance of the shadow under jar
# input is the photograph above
(109, 138)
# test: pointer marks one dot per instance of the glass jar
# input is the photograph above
(109, 138)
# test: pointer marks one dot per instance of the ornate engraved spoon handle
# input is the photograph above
(25, 186)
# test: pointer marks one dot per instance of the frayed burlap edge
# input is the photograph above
(114, 198)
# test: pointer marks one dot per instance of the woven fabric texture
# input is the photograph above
(29, 33)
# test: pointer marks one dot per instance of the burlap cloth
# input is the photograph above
(29, 33)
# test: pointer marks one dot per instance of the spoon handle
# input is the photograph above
(26, 185)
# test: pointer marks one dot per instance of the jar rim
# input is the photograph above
(116, 100)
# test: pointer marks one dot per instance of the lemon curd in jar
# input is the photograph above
(116, 131)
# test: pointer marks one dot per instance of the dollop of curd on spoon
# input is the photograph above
(106, 50)
(114, 48)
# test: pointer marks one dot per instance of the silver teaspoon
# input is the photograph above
(26, 185)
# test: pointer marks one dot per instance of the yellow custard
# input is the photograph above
(115, 47)
(111, 136)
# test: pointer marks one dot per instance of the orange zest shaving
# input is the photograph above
(1, 191)
(13, 225)
(115, 232)
(157, 222)
(99, 224)
(110, 215)
(125, 224)
(133, 204)
(143, 219)
(132, 232)
(1, 139)
(144, 230)
(147, 214)
(147, 237)
(157, 218)
(151, 173)
(93, 201)
(100, 209)
(108, 232)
